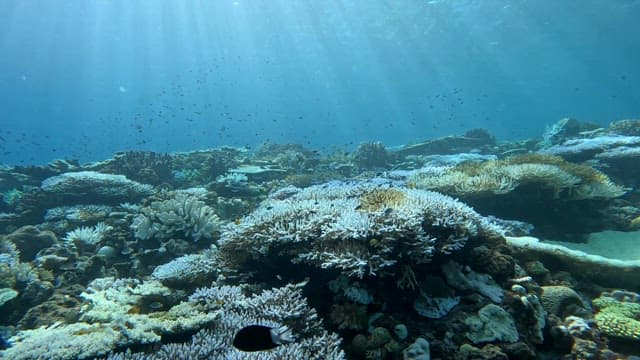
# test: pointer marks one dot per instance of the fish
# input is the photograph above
(260, 337)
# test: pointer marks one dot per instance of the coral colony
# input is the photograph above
(454, 248)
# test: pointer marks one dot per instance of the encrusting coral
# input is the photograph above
(561, 300)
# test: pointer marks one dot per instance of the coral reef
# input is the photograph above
(565, 129)
(376, 345)
(114, 313)
(467, 279)
(419, 350)
(29, 240)
(96, 262)
(291, 157)
(472, 140)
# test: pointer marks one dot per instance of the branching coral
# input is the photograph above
(111, 318)
(115, 313)
(504, 176)
(359, 228)
(380, 199)
(275, 307)
(183, 215)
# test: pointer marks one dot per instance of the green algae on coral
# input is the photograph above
(618, 318)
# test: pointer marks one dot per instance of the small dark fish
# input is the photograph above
(260, 337)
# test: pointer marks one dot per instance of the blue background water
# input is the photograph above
(84, 78)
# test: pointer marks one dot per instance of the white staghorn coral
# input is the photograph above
(358, 228)
(110, 321)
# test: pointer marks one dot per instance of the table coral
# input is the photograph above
(504, 176)
(359, 228)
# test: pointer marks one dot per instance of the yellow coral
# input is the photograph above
(503, 176)
(380, 199)
(618, 318)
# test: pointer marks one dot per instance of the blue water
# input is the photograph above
(84, 78)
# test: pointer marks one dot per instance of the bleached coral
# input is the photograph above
(591, 146)
(186, 269)
(87, 235)
(495, 178)
(274, 307)
(62, 342)
(86, 183)
(504, 176)
(183, 215)
(359, 228)
(115, 313)
(108, 322)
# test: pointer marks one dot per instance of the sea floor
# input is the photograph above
(610, 244)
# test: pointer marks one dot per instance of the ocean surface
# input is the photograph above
(82, 79)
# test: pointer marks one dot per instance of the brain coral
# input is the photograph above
(559, 299)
